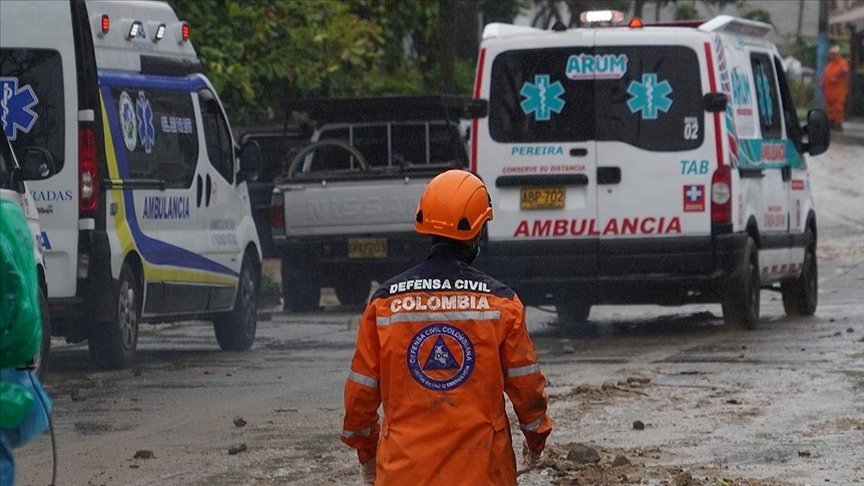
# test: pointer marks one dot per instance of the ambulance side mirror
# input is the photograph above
(818, 132)
(36, 163)
(714, 102)
(250, 161)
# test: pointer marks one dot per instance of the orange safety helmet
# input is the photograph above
(454, 205)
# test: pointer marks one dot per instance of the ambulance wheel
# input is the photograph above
(572, 313)
(301, 290)
(235, 330)
(800, 296)
(353, 291)
(742, 296)
(112, 344)
(40, 361)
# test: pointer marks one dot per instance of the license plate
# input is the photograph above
(541, 198)
(367, 247)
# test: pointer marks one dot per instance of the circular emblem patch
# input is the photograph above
(440, 357)
(128, 122)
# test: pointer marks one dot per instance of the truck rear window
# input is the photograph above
(646, 96)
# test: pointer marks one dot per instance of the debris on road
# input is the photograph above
(239, 422)
(638, 425)
(620, 460)
(143, 454)
(582, 454)
(237, 449)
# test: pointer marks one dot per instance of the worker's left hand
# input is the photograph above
(369, 471)
(529, 457)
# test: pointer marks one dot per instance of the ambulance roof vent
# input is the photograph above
(501, 31)
(734, 25)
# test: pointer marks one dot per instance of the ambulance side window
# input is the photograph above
(766, 96)
(32, 100)
(790, 115)
(156, 135)
(217, 137)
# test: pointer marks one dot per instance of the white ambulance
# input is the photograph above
(639, 164)
(34, 164)
(148, 216)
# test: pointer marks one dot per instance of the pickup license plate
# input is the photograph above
(367, 247)
(541, 198)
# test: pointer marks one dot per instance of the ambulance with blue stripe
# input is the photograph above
(147, 217)
(635, 164)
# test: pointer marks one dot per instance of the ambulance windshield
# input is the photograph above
(646, 96)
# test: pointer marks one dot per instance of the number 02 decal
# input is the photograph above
(691, 128)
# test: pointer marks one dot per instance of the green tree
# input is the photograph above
(258, 54)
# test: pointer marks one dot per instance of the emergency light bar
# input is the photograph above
(601, 16)
(135, 30)
(160, 33)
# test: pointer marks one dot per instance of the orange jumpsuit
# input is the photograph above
(439, 345)
(835, 86)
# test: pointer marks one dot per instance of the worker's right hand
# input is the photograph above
(529, 457)
(369, 471)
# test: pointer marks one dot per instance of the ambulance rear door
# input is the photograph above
(537, 149)
(654, 158)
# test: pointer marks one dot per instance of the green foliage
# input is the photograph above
(756, 13)
(270, 292)
(260, 53)
(686, 11)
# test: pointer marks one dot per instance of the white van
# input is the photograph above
(634, 164)
(35, 164)
(148, 216)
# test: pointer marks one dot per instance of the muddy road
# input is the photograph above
(656, 395)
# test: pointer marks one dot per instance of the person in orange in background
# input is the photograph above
(439, 345)
(835, 87)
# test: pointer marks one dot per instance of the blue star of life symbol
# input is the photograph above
(649, 96)
(542, 98)
(16, 105)
(763, 88)
(146, 131)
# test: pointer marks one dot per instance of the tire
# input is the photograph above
(301, 287)
(573, 313)
(40, 361)
(801, 296)
(353, 291)
(112, 344)
(235, 330)
(742, 295)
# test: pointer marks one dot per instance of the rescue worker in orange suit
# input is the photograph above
(439, 345)
(835, 87)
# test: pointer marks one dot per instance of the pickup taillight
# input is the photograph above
(277, 215)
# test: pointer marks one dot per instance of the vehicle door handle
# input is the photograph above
(578, 152)
(198, 185)
(608, 175)
(207, 194)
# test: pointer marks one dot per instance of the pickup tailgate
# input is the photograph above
(331, 208)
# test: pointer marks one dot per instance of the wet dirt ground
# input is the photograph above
(657, 395)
